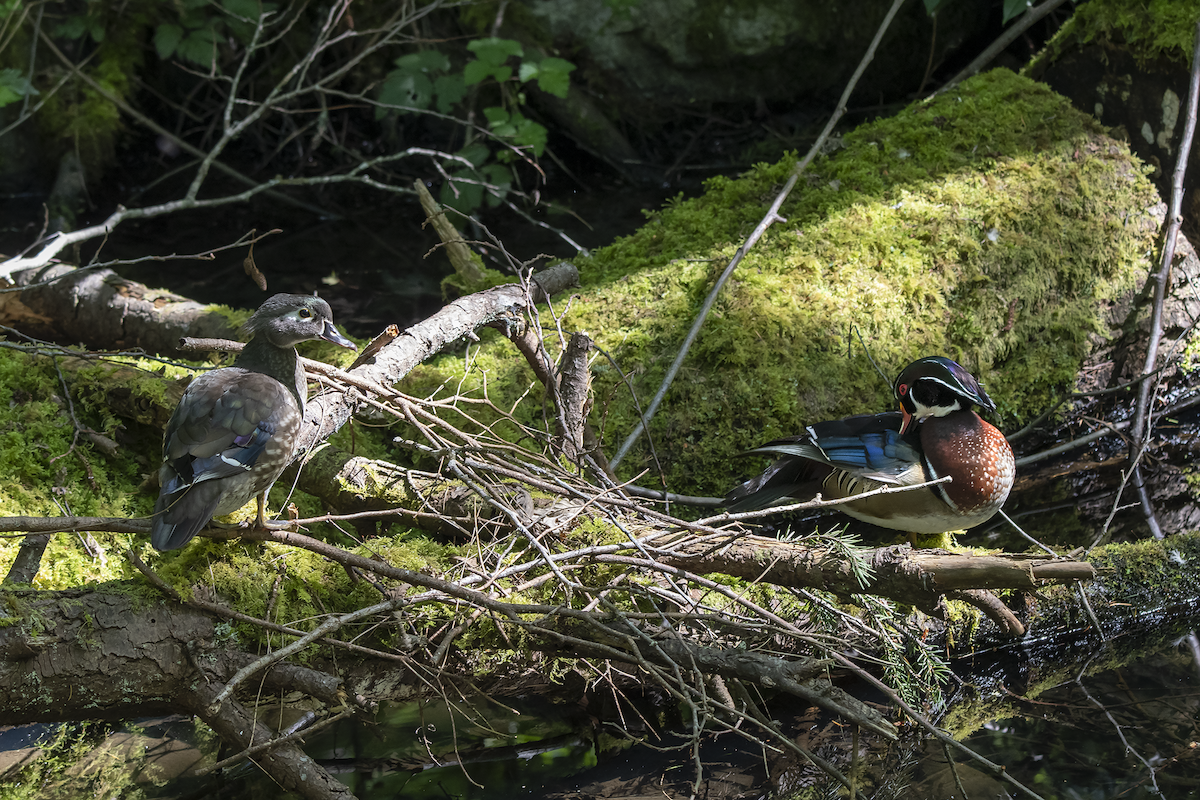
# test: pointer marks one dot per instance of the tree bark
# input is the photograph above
(102, 654)
(97, 306)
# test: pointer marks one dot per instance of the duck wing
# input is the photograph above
(229, 438)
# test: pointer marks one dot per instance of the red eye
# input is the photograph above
(902, 389)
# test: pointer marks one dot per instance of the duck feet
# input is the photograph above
(261, 521)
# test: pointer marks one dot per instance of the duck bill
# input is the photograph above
(330, 334)
(906, 421)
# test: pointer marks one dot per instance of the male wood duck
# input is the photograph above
(235, 428)
(934, 434)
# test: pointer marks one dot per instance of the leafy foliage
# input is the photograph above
(421, 80)
(429, 80)
(13, 86)
(197, 33)
(479, 87)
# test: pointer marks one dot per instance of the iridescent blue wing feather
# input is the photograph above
(867, 446)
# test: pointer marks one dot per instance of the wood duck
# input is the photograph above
(235, 428)
(934, 434)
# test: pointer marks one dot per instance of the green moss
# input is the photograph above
(72, 762)
(286, 585)
(1148, 29)
(1192, 478)
(46, 471)
(1151, 573)
(75, 116)
(993, 224)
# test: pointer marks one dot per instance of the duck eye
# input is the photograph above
(304, 313)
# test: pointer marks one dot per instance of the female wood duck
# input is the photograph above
(235, 428)
(934, 434)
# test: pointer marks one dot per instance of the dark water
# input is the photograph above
(1090, 731)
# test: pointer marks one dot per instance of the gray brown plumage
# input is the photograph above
(235, 429)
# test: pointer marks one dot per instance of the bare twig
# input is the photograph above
(1159, 282)
(1022, 24)
(771, 217)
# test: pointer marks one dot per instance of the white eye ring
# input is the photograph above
(304, 313)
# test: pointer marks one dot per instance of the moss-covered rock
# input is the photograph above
(1128, 64)
(1148, 29)
(994, 224)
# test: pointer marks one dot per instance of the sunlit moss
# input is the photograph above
(1148, 29)
(72, 762)
(47, 470)
(287, 585)
(1151, 573)
(993, 224)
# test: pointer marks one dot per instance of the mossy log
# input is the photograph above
(994, 224)
(60, 650)
(117, 653)
(64, 304)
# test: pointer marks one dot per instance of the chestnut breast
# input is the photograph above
(975, 454)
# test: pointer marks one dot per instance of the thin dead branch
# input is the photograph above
(770, 218)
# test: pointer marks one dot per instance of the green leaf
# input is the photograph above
(476, 71)
(192, 14)
(243, 16)
(72, 28)
(411, 89)
(166, 39)
(424, 61)
(496, 116)
(500, 177)
(530, 134)
(469, 196)
(248, 9)
(476, 153)
(504, 130)
(932, 6)
(199, 46)
(13, 86)
(495, 51)
(1014, 8)
(554, 76)
(450, 89)
(527, 72)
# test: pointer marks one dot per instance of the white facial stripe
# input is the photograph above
(924, 411)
